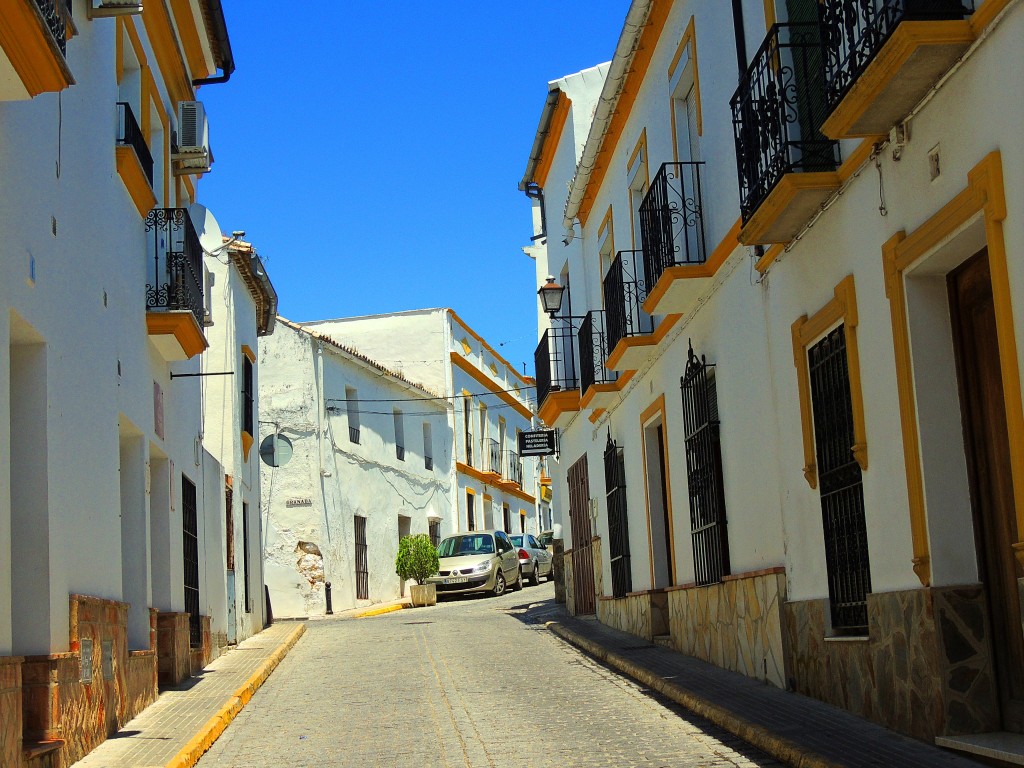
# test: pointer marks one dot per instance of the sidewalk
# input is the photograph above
(181, 725)
(795, 729)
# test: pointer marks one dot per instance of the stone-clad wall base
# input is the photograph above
(10, 710)
(141, 676)
(644, 614)
(570, 586)
(736, 624)
(174, 659)
(925, 668)
(204, 654)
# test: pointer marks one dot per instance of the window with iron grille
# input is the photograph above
(399, 434)
(839, 482)
(506, 515)
(190, 558)
(428, 447)
(247, 397)
(229, 527)
(708, 526)
(470, 522)
(352, 409)
(362, 561)
(618, 524)
(245, 557)
(467, 430)
(435, 532)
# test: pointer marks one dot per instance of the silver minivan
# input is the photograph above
(477, 561)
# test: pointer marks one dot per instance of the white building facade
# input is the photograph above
(364, 457)
(785, 366)
(111, 507)
(492, 404)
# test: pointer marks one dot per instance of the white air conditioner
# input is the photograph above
(192, 147)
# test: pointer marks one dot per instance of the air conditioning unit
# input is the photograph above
(191, 152)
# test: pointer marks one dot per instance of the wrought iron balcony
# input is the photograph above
(492, 456)
(777, 113)
(672, 220)
(555, 360)
(854, 31)
(57, 15)
(175, 273)
(594, 351)
(129, 134)
(513, 468)
(624, 292)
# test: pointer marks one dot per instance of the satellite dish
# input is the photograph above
(275, 450)
(207, 228)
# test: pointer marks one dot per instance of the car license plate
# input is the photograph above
(457, 580)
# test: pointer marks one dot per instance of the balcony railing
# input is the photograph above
(594, 351)
(777, 113)
(854, 31)
(129, 134)
(555, 359)
(513, 468)
(492, 456)
(624, 292)
(175, 272)
(57, 15)
(672, 219)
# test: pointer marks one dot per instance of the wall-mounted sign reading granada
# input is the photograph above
(539, 443)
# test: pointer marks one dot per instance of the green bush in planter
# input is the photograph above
(417, 558)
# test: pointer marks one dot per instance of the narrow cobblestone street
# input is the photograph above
(474, 682)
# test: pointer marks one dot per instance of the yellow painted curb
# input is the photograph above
(382, 610)
(189, 755)
(762, 738)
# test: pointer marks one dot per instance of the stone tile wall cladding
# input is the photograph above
(10, 710)
(204, 654)
(570, 591)
(644, 614)
(925, 668)
(174, 656)
(736, 624)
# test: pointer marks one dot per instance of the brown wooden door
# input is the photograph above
(988, 463)
(582, 538)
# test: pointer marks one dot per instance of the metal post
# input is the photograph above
(327, 594)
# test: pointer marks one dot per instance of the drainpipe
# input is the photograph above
(741, 38)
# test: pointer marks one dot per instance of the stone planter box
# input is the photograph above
(423, 594)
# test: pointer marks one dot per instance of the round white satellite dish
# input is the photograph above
(207, 228)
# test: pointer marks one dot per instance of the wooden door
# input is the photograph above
(582, 538)
(988, 462)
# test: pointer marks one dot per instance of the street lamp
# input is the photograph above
(551, 296)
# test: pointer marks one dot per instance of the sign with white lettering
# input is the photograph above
(538, 443)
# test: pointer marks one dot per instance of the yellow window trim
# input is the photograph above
(841, 309)
(638, 148)
(769, 14)
(466, 348)
(985, 194)
(627, 96)
(655, 409)
(247, 351)
(247, 441)
(689, 40)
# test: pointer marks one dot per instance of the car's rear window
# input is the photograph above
(517, 540)
(470, 544)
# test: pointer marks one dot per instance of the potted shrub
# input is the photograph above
(417, 559)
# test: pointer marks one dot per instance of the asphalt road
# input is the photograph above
(472, 683)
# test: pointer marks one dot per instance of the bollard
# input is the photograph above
(327, 593)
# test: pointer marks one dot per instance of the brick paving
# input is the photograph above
(467, 683)
(159, 733)
(805, 728)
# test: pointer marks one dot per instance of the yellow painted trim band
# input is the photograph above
(985, 194)
(489, 348)
(248, 352)
(183, 326)
(688, 272)
(130, 170)
(31, 49)
(189, 755)
(382, 610)
(160, 31)
(488, 479)
(987, 13)
(841, 309)
(460, 362)
(550, 146)
(190, 40)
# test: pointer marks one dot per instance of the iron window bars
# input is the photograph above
(708, 525)
(854, 31)
(839, 482)
(624, 292)
(190, 560)
(618, 522)
(672, 220)
(175, 280)
(594, 351)
(362, 561)
(513, 468)
(248, 397)
(555, 359)
(492, 456)
(129, 134)
(57, 16)
(777, 112)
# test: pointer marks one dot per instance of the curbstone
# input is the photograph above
(197, 746)
(757, 735)
(382, 610)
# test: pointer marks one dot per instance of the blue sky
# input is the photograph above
(371, 151)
